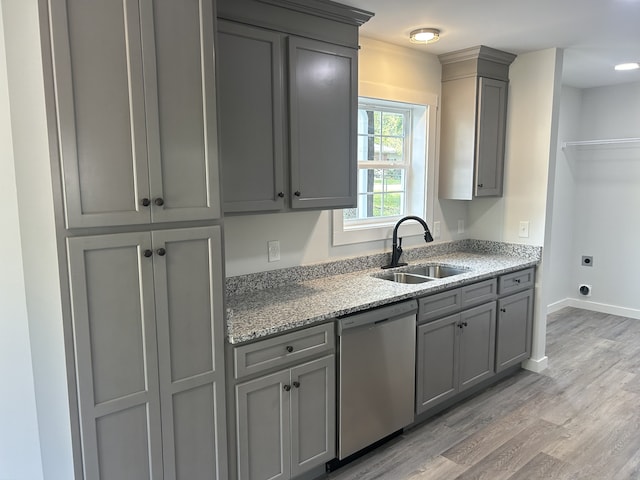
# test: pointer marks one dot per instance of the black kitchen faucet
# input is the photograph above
(397, 245)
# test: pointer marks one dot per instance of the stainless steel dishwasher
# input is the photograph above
(376, 375)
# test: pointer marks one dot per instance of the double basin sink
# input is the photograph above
(422, 273)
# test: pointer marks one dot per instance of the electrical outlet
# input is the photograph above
(460, 226)
(523, 230)
(274, 250)
(436, 230)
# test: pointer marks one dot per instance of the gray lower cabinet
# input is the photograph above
(287, 111)
(477, 344)
(454, 353)
(285, 421)
(147, 322)
(438, 359)
(135, 110)
(515, 318)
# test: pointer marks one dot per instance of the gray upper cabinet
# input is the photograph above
(251, 109)
(136, 114)
(288, 89)
(148, 344)
(323, 93)
(473, 122)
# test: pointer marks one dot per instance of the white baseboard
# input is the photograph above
(559, 305)
(536, 366)
(594, 307)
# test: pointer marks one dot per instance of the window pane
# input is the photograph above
(377, 121)
(381, 135)
(380, 194)
(392, 149)
(393, 124)
(392, 204)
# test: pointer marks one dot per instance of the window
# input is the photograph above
(384, 152)
(393, 156)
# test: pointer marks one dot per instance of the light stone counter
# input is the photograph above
(270, 309)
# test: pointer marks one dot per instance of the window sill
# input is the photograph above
(369, 233)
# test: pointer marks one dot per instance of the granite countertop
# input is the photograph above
(253, 314)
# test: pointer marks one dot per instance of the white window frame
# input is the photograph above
(422, 164)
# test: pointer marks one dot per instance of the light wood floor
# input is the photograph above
(579, 419)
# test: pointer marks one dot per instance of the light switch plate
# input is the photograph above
(523, 230)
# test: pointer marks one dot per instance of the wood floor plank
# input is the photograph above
(438, 467)
(480, 444)
(543, 467)
(511, 456)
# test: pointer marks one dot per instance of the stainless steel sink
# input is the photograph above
(435, 271)
(422, 273)
(401, 277)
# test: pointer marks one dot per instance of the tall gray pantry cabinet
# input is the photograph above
(132, 104)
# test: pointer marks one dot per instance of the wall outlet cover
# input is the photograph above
(274, 250)
(436, 230)
(460, 226)
(523, 229)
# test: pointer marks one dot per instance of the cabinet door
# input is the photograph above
(477, 344)
(112, 302)
(178, 55)
(99, 97)
(515, 315)
(457, 139)
(437, 367)
(263, 422)
(189, 313)
(323, 93)
(250, 101)
(491, 128)
(313, 414)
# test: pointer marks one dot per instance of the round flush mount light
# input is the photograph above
(627, 66)
(425, 35)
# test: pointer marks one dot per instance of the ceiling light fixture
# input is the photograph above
(425, 35)
(627, 66)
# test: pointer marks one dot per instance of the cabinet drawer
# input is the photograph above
(439, 305)
(282, 350)
(513, 282)
(478, 293)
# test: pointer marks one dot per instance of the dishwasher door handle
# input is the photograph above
(377, 315)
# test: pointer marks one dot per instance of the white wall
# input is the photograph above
(530, 152)
(605, 217)
(562, 259)
(37, 236)
(527, 154)
(19, 444)
(305, 237)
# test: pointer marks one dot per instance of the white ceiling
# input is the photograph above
(595, 34)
